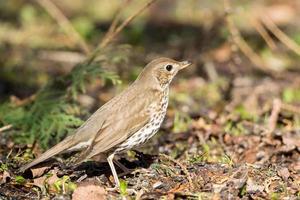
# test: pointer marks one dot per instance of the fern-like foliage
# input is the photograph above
(54, 112)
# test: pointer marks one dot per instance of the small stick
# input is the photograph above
(64, 23)
(274, 115)
(285, 39)
(290, 108)
(263, 32)
(183, 168)
(114, 33)
(5, 128)
(116, 19)
(240, 42)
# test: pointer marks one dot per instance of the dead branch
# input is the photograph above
(106, 40)
(240, 42)
(116, 20)
(113, 32)
(64, 23)
(285, 39)
(263, 32)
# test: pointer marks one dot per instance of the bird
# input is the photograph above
(126, 121)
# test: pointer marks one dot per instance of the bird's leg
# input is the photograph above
(110, 160)
(113, 170)
(124, 169)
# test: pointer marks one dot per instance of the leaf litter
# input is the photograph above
(219, 154)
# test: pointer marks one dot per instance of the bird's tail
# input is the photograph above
(60, 147)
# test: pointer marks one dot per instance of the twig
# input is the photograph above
(116, 19)
(183, 168)
(5, 128)
(107, 39)
(263, 32)
(240, 42)
(290, 108)
(64, 23)
(274, 115)
(117, 30)
(286, 40)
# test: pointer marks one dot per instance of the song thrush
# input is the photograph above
(127, 120)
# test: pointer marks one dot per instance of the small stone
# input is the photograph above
(253, 187)
(157, 185)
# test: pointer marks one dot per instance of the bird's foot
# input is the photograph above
(126, 172)
(123, 168)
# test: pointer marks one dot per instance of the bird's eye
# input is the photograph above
(169, 67)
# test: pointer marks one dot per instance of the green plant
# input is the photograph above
(274, 196)
(54, 112)
(225, 159)
(64, 185)
(198, 158)
(181, 122)
(235, 129)
(3, 167)
(290, 95)
(20, 180)
(123, 187)
(244, 114)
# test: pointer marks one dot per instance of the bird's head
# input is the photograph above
(161, 71)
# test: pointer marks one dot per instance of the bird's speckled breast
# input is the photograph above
(146, 132)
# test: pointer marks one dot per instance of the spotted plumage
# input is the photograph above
(149, 129)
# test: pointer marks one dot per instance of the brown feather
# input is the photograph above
(121, 117)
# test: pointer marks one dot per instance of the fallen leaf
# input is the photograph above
(41, 181)
(4, 177)
(89, 192)
(37, 172)
(283, 173)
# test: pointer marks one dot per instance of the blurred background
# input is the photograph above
(243, 87)
(35, 47)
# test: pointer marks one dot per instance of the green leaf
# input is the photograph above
(20, 180)
(3, 167)
(123, 187)
(244, 113)
(291, 95)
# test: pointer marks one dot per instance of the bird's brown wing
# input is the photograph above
(108, 126)
(122, 122)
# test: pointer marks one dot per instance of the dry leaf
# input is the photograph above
(4, 176)
(89, 192)
(40, 182)
(37, 172)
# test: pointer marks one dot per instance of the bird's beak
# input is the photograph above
(184, 64)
